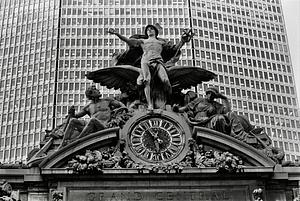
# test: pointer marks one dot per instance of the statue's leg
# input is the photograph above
(163, 76)
(219, 123)
(93, 126)
(147, 78)
(238, 130)
(70, 132)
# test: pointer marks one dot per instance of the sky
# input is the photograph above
(291, 12)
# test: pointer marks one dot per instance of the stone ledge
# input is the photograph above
(116, 171)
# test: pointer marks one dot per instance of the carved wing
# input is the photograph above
(121, 77)
(184, 77)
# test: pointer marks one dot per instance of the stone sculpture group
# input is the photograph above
(150, 82)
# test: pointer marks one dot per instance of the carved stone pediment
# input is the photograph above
(157, 141)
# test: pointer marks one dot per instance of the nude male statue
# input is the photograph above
(99, 109)
(151, 59)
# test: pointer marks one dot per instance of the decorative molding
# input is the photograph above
(95, 140)
(234, 146)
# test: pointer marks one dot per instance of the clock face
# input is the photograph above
(156, 139)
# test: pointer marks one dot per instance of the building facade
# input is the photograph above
(47, 47)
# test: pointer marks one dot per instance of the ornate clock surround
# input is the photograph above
(157, 137)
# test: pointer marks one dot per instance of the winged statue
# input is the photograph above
(149, 64)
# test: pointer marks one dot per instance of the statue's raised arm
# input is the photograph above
(132, 42)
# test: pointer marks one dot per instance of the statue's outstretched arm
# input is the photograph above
(130, 41)
(185, 37)
(79, 114)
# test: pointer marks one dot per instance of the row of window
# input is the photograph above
(267, 109)
(243, 41)
(29, 59)
(256, 95)
(275, 127)
(27, 126)
(97, 12)
(290, 157)
(239, 55)
(260, 85)
(280, 133)
(43, 67)
(262, 118)
(14, 3)
(253, 33)
(17, 93)
(28, 81)
(229, 59)
(238, 15)
(20, 116)
(246, 3)
(16, 154)
(269, 73)
(265, 120)
(18, 45)
(121, 2)
(292, 147)
(238, 51)
(12, 108)
(84, 64)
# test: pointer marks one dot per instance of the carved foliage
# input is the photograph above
(57, 196)
(93, 162)
(258, 194)
(222, 161)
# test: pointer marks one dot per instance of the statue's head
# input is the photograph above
(92, 92)
(151, 27)
(213, 91)
(189, 96)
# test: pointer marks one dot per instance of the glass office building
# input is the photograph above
(47, 46)
(28, 57)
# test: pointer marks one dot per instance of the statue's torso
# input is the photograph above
(100, 110)
(152, 49)
(204, 108)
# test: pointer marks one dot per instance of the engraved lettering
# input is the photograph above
(113, 197)
(170, 196)
(91, 197)
(138, 196)
(159, 196)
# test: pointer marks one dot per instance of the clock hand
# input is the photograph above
(156, 140)
(152, 133)
(156, 146)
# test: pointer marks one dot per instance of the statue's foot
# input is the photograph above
(150, 108)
